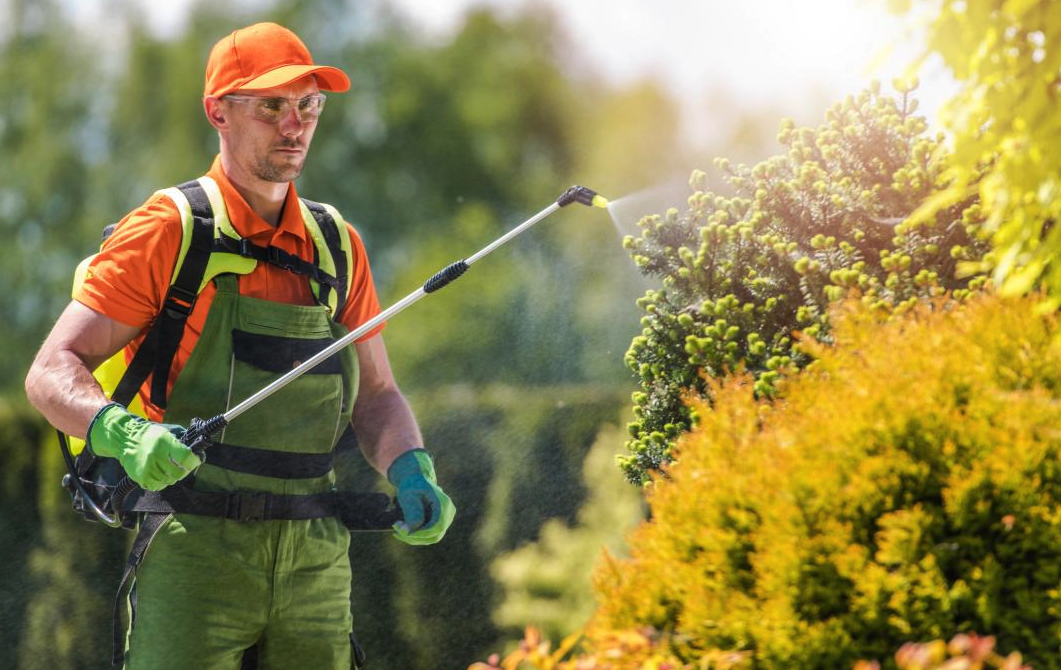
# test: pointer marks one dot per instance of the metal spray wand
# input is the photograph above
(198, 435)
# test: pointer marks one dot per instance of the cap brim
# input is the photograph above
(328, 78)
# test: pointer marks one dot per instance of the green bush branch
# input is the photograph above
(742, 273)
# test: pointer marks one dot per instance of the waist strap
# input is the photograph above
(238, 506)
(357, 511)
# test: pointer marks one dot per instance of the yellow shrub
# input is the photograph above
(907, 486)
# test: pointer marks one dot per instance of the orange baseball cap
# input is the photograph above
(265, 55)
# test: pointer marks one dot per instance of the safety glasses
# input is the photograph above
(272, 109)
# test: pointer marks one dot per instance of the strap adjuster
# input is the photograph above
(248, 506)
(280, 258)
(245, 248)
(179, 300)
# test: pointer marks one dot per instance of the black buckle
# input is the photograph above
(245, 248)
(323, 277)
(248, 506)
(179, 300)
(280, 258)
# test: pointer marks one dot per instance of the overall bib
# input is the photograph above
(211, 587)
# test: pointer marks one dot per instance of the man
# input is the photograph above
(215, 584)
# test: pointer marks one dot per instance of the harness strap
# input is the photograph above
(156, 352)
(330, 229)
(280, 258)
(240, 505)
(159, 347)
(149, 527)
(358, 511)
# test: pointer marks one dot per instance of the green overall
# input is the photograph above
(211, 587)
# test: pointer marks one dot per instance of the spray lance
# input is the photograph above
(201, 431)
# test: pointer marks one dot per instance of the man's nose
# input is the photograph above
(290, 124)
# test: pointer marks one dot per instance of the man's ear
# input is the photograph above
(216, 112)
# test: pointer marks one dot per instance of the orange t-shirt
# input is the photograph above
(128, 280)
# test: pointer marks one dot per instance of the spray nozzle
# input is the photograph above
(582, 195)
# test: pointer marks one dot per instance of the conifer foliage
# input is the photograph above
(741, 273)
(904, 488)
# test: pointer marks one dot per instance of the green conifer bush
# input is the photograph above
(741, 273)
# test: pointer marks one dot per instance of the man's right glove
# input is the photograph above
(427, 509)
(150, 452)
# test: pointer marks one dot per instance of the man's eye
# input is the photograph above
(309, 102)
(272, 104)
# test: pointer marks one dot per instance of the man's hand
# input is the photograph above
(151, 453)
(427, 509)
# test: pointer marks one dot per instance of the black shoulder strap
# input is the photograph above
(330, 230)
(156, 352)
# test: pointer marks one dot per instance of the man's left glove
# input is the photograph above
(427, 509)
(151, 453)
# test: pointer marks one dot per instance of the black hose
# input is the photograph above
(75, 480)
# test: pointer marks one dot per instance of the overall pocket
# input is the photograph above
(302, 417)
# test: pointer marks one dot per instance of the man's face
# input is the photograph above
(271, 151)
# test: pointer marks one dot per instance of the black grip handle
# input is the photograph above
(445, 276)
(197, 438)
(200, 434)
(368, 511)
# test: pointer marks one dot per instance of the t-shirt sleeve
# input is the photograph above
(127, 281)
(362, 303)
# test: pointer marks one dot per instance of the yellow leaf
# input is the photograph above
(939, 201)
(566, 645)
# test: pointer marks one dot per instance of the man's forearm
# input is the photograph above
(60, 382)
(63, 390)
(385, 428)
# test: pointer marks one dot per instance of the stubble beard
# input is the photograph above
(269, 171)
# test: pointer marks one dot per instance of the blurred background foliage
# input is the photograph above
(440, 147)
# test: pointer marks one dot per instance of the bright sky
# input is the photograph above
(786, 55)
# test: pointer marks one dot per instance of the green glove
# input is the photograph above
(427, 509)
(150, 452)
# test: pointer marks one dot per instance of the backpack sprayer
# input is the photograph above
(201, 431)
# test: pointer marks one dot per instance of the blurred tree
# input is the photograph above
(53, 110)
(1005, 129)
(49, 130)
(547, 583)
(159, 134)
(20, 523)
(73, 568)
(623, 141)
(429, 127)
(510, 459)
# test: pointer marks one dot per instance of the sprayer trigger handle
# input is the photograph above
(200, 434)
